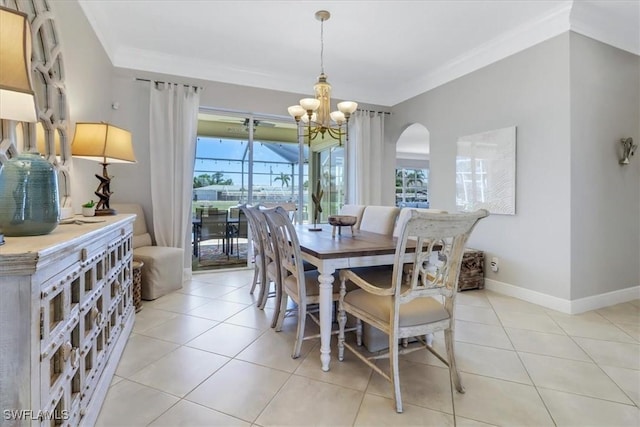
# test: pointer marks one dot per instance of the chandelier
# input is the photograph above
(316, 112)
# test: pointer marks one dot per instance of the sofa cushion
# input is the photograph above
(162, 270)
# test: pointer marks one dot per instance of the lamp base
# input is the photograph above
(103, 212)
(315, 228)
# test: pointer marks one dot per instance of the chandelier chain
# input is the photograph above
(322, 46)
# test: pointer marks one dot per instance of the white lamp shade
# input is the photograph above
(338, 117)
(102, 142)
(347, 107)
(310, 104)
(17, 100)
(296, 111)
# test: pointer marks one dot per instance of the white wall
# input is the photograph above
(605, 107)
(530, 90)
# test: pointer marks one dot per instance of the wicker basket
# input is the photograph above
(137, 284)
(472, 270)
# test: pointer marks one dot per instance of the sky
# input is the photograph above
(267, 164)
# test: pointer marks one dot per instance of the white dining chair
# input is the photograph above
(403, 305)
(301, 286)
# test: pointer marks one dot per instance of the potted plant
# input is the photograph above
(89, 209)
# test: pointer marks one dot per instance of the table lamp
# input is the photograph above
(104, 143)
(17, 102)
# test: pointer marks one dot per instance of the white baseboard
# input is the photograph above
(604, 300)
(563, 305)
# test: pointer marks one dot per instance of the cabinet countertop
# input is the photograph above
(20, 255)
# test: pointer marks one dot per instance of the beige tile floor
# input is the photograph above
(206, 356)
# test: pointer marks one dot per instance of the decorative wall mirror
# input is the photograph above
(53, 112)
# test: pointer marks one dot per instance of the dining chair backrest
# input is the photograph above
(253, 227)
(379, 219)
(263, 231)
(287, 246)
(290, 208)
(440, 240)
(353, 210)
(404, 215)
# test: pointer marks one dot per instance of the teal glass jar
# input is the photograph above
(29, 202)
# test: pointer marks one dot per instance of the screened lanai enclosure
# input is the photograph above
(250, 160)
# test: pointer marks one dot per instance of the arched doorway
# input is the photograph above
(412, 167)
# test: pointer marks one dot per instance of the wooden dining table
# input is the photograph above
(330, 253)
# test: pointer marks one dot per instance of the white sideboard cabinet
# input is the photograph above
(66, 311)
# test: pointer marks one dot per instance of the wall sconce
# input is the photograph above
(628, 148)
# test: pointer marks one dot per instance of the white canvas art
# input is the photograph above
(486, 171)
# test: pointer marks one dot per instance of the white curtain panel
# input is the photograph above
(364, 158)
(173, 132)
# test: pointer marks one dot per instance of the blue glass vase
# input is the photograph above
(29, 202)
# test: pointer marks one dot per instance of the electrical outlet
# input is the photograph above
(495, 264)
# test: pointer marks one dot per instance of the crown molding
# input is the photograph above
(600, 23)
(554, 23)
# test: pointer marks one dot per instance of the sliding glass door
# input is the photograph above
(244, 159)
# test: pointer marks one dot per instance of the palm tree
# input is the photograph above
(283, 178)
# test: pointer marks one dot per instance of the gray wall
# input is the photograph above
(605, 106)
(530, 90)
(88, 79)
(576, 232)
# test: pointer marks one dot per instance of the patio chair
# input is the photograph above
(213, 225)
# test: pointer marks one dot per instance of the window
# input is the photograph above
(412, 187)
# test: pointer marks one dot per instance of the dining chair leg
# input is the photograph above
(280, 311)
(395, 374)
(453, 367)
(302, 320)
(342, 322)
(264, 293)
(359, 332)
(256, 277)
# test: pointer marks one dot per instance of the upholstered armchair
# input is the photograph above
(163, 266)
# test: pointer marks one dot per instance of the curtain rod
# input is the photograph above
(160, 81)
(200, 87)
(372, 111)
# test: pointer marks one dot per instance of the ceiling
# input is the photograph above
(375, 52)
